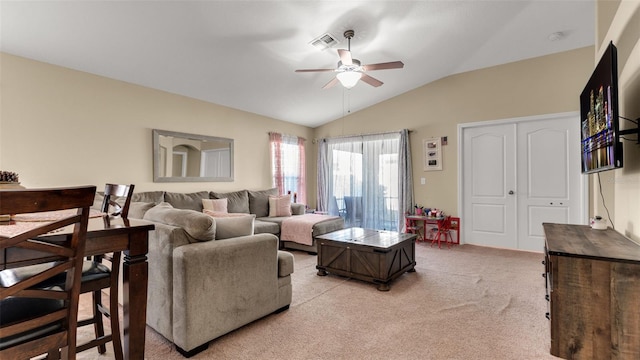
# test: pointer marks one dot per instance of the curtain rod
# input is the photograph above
(275, 132)
(356, 135)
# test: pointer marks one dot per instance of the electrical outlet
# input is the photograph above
(423, 181)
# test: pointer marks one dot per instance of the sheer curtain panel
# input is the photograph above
(366, 179)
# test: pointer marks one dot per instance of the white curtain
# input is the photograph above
(365, 180)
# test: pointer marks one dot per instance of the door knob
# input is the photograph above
(511, 192)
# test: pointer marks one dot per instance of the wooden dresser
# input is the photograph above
(593, 289)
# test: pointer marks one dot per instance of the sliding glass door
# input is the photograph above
(359, 180)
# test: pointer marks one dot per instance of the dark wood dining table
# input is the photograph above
(106, 235)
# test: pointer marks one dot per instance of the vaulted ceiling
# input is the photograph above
(243, 54)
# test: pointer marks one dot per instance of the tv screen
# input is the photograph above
(601, 147)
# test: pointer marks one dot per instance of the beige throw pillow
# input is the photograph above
(279, 206)
(217, 205)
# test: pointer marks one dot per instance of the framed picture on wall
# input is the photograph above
(432, 148)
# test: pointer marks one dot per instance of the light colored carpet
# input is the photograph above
(467, 302)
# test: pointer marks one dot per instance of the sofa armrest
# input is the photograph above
(298, 209)
(285, 263)
(221, 285)
(163, 240)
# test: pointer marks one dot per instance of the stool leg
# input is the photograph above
(98, 325)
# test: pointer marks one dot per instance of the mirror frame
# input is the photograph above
(156, 157)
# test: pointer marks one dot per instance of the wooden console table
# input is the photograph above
(370, 255)
(593, 289)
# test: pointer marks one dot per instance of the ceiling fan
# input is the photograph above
(350, 70)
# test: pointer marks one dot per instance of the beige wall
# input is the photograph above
(63, 127)
(544, 85)
(52, 120)
(621, 188)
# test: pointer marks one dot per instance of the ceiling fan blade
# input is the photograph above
(345, 57)
(330, 83)
(384, 66)
(314, 70)
(371, 81)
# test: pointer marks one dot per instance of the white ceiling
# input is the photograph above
(243, 54)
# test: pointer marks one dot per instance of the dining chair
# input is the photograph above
(37, 321)
(115, 192)
(102, 272)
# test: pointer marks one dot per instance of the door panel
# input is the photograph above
(488, 163)
(550, 173)
(489, 218)
(540, 214)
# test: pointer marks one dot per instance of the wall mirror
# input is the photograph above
(180, 157)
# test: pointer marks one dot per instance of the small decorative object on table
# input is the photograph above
(9, 180)
(598, 223)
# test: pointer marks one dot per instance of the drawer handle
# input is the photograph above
(548, 316)
(544, 275)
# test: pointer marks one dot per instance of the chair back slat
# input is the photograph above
(26, 201)
(115, 192)
(55, 309)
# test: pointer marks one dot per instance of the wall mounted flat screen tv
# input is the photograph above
(601, 146)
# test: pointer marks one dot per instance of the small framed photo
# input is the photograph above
(432, 153)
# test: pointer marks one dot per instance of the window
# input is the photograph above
(288, 165)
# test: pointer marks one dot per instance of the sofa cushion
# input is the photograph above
(280, 206)
(218, 205)
(234, 226)
(191, 201)
(199, 226)
(217, 214)
(259, 201)
(268, 227)
(138, 209)
(155, 197)
(237, 201)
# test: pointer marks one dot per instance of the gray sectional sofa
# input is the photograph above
(209, 276)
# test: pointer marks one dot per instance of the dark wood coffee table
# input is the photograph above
(375, 256)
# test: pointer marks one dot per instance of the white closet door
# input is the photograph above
(517, 174)
(489, 181)
(549, 177)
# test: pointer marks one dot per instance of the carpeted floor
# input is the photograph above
(467, 302)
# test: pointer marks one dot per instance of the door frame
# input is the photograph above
(584, 200)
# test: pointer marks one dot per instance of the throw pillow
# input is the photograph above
(234, 226)
(199, 226)
(218, 205)
(237, 201)
(279, 206)
(259, 201)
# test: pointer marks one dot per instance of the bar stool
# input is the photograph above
(102, 272)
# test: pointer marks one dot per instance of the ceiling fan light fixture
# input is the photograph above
(349, 79)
